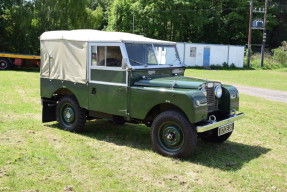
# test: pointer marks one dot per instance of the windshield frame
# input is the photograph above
(145, 66)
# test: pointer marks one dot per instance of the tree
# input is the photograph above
(17, 28)
(201, 21)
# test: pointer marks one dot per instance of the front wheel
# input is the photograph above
(212, 136)
(70, 115)
(173, 135)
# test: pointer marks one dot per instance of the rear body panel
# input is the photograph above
(49, 87)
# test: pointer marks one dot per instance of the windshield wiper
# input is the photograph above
(138, 62)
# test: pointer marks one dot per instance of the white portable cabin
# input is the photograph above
(196, 54)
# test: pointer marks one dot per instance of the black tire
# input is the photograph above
(5, 64)
(212, 136)
(70, 115)
(173, 135)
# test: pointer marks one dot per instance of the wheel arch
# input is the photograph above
(49, 104)
(61, 92)
(159, 108)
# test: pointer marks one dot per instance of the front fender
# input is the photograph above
(143, 99)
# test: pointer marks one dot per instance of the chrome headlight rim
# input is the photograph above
(218, 91)
(202, 88)
(204, 91)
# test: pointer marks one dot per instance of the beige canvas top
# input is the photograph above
(64, 54)
(100, 36)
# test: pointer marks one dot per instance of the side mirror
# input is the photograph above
(124, 63)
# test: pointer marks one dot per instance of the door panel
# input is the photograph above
(118, 76)
(108, 98)
(107, 80)
(206, 56)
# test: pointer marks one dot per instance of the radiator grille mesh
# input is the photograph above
(212, 101)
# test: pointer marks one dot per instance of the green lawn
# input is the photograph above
(270, 79)
(36, 156)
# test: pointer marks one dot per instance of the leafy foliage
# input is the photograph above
(23, 21)
(269, 62)
(280, 54)
(202, 21)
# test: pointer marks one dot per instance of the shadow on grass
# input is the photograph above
(227, 156)
(26, 69)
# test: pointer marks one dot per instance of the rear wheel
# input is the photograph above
(172, 135)
(70, 115)
(5, 64)
(212, 136)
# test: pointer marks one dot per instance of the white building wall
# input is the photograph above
(188, 59)
(236, 55)
(218, 54)
(199, 54)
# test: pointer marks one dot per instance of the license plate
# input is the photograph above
(225, 129)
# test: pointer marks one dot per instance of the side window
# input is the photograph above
(101, 60)
(109, 56)
(114, 56)
(94, 56)
(192, 51)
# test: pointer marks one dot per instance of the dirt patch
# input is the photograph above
(3, 173)
(68, 189)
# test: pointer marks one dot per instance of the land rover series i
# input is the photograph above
(124, 77)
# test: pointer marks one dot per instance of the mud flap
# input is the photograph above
(48, 110)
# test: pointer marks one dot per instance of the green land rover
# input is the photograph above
(122, 77)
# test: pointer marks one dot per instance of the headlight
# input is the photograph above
(218, 91)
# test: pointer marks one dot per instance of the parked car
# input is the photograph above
(123, 77)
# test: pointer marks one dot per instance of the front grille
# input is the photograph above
(212, 101)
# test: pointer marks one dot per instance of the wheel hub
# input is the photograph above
(68, 114)
(171, 136)
(3, 64)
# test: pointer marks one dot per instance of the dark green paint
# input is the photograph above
(143, 99)
(170, 136)
(50, 87)
(226, 104)
(108, 99)
(172, 82)
(108, 76)
(135, 101)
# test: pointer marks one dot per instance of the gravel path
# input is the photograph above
(264, 93)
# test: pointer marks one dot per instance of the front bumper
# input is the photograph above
(209, 126)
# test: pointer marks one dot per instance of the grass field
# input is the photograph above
(106, 157)
(269, 79)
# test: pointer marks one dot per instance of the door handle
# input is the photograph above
(94, 91)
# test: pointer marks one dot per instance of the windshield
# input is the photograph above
(152, 55)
